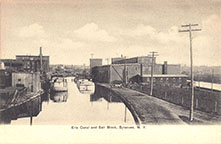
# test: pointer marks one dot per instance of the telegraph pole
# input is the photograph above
(40, 55)
(189, 29)
(154, 54)
(212, 80)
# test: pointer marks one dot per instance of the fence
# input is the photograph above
(205, 100)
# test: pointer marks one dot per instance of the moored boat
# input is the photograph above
(85, 85)
(59, 84)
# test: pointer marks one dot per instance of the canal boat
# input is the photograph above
(85, 85)
(59, 84)
(21, 103)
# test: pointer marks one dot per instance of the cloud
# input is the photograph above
(174, 46)
(69, 44)
(33, 30)
(171, 35)
(67, 51)
(91, 32)
(206, 50)
(62, 46)
(207, 45)
(142, 30)
(212, 25)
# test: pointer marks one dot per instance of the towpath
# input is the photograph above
(151, 110)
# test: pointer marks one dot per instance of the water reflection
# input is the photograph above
(74, 107)
(105, 94)
(31, 108)
(45, 97)
(59, 97)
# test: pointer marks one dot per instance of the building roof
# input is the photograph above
(126, 64)
(12, 62)
(30, 56)
(95, 59)
(166, 76)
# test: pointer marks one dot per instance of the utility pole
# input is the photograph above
(198, 73)
(189, 26)
(212, 80)
(40, 55)
(125, 74)
(154, 54)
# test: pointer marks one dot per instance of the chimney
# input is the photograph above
(165, 67)
(40, 50)
(40, 59)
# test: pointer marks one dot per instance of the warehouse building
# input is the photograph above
(12, 64)
(28, 63)
(95, 62)
(33, 63)
(125, 70)
(140, 60)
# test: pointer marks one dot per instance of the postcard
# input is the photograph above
(110, 71)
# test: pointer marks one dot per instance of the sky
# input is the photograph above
(70, 31)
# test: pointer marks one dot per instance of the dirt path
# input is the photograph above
(151, 110)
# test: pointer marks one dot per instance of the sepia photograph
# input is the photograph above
(110, 67)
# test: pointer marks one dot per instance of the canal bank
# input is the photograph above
(22, 105)
(151, 110)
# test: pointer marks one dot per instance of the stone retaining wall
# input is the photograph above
(205, 100)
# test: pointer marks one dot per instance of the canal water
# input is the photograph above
(77, 108)
(207, 85)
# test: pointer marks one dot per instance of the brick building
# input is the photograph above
(140, 60)
(12, 64)
(113, 60)
(115, 72)
(126, 69)
(33, 63)
(28, 63)
(95, 62)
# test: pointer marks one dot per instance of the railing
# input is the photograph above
(19, 96)
(205, 100)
